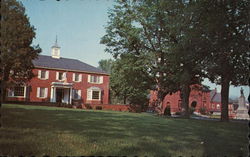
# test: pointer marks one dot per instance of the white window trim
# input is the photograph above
(46, 74)
(100, 79)
(38, 92)
(24, 93)
(90, 94)
(74, 76)
(64, 76)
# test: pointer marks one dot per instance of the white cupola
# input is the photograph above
(55, 50)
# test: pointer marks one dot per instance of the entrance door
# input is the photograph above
(59, 95)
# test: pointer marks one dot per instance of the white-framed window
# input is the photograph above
(77, 77)
(76, 94)
(218, 106)
(42, 92)
(212, 105)
(17, 91)
(43, 74)
(94, 93)
(61, 76)
(95, 79)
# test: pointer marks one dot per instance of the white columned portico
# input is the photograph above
(70, 95)
(67, 92)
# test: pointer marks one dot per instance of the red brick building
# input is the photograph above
(200, 97)
(63, 80)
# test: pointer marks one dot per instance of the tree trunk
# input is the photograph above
(224, 98)
(124, 100)
(185, 92)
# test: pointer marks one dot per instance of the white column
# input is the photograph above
(51, 94)
(70, 96)
(54, 94)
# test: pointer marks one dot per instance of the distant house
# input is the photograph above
(63, 80)
(200, 97)
(215, 104)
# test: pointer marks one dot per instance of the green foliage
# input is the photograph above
(106, 65)
(203, 110)
(225, 32)
(191, 110)
(167, 111)
(130, 80)
(16, 52)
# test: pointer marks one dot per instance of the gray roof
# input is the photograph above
(66, 64)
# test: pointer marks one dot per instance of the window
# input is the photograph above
(60, 76)
(77, 77)
(42, 92)
(218, 106)
(212, 105)
(95, 79)
(43, 74)
(76, 94)
(93, 93)
(18, 91)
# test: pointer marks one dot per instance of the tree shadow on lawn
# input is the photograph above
(135, 134)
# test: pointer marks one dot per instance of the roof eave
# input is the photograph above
(43, 67)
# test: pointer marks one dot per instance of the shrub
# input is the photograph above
(167, 111)
(177, 113)
(88, 106)
(203, 110)
(191, 110)
(98, 107)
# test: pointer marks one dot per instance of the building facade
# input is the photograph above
(63, 80)
(200, 97)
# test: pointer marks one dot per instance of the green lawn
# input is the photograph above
(38, 130)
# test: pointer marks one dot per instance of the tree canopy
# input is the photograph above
(185, 41)
(16, 52)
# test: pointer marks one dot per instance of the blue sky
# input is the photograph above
(79, 25)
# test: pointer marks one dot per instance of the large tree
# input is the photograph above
(226, 32)
(158, 29)
(130, 80)
(106, 65)
(16, 52)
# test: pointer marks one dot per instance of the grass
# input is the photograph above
(38, 130)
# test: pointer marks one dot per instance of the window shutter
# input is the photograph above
(88, 78)
(89, 94)
(64, 76)
(74, 77)
(47, 75)
(80, 78)
(101, 80)
(79, 94)
(38, 92)
(46, 93)
(57, 75)
(39, 73)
